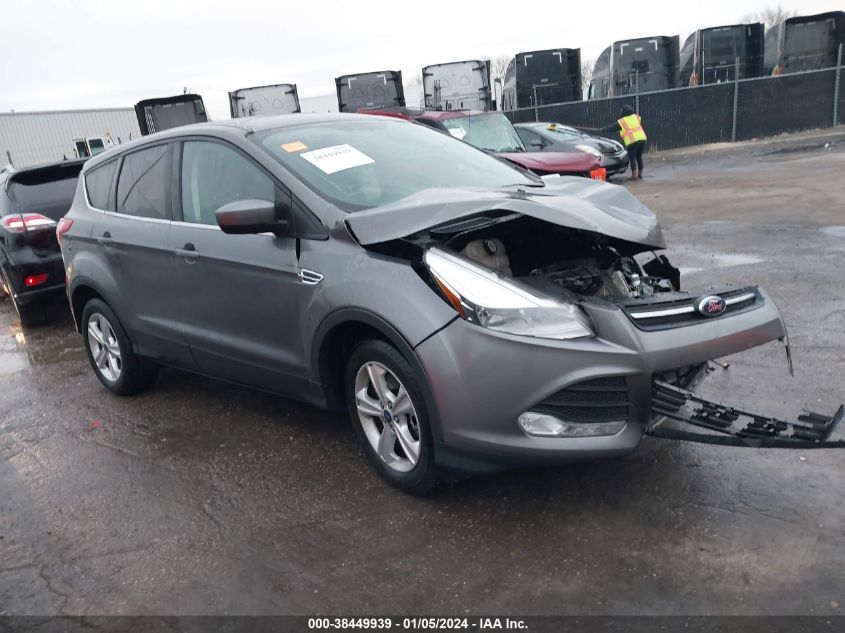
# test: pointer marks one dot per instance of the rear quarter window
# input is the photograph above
(143, 185)
(98, 184)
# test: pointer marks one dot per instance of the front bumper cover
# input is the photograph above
(483, 380)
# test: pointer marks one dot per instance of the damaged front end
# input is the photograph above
(574, 264)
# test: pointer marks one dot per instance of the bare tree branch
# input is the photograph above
(587, 66)
(498, 66)
(770, 16)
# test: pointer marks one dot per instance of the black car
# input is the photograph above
(554, 137)
(32, 201)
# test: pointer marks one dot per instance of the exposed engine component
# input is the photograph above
(606, 277)
(583, 280)
(490, 253)
(556, 260)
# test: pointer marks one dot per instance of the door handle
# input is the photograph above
(105, 238)
(188, 251)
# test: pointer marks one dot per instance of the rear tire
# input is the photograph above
(110, 352)
(388, 411)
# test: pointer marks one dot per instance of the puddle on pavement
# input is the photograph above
(707, 261)
(47, 344)
(834, 231)
(12, 360)
(724, 260)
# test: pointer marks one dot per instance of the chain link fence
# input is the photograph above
(714, 113)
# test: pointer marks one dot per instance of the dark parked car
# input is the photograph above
(32, 200)
(494, 133)
(468, 316)
(554, 137)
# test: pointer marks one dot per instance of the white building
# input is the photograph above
(30, 138)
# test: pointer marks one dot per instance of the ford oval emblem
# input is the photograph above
(711, 306)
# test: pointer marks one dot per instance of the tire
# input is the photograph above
(121, 371)
(398, 445)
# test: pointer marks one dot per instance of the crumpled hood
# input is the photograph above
(573, 202)
(556, 162)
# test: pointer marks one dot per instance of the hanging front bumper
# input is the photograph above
(681, 415)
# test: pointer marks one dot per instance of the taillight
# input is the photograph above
(63, 227)
(20, 222)
(35, 280)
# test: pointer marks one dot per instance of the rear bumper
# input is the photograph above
(483, 380)
(28, 263)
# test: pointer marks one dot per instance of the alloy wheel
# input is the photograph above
(387, 416)
(104, 347)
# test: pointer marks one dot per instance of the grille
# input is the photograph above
(681, 309)
(595, 400)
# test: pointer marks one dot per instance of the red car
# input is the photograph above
(493, 132)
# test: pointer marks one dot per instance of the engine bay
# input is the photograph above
(557, 260)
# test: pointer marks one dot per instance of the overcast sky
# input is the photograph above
(58, 54)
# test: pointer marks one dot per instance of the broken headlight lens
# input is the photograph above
(482, 297)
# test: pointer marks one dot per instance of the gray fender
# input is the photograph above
(360, 315)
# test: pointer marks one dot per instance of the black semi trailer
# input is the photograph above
(640, 65)
(807, 42)
(536, 78)
(380, 89)
(155, 115)
(709, 56)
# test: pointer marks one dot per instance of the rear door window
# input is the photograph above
(98, 183)
(143, 185)
(213, 175)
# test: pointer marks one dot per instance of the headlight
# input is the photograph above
(589, 150)
(482, 297)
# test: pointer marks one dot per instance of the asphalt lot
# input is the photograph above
(200, 497)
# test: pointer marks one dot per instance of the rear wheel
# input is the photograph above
(110, 351)
(389, 415)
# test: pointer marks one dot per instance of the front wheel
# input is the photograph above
(389, 415)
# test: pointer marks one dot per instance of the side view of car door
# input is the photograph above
(240, 296)
(132, 233)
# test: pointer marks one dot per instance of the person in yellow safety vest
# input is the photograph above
(630, 128)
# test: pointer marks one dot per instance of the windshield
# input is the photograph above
(492, 132)
(372, 161)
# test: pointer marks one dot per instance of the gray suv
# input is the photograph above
(468, 315)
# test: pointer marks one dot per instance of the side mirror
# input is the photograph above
(251, 216)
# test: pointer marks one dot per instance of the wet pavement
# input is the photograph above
(199, 497)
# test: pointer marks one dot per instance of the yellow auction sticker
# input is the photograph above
(294, 146)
